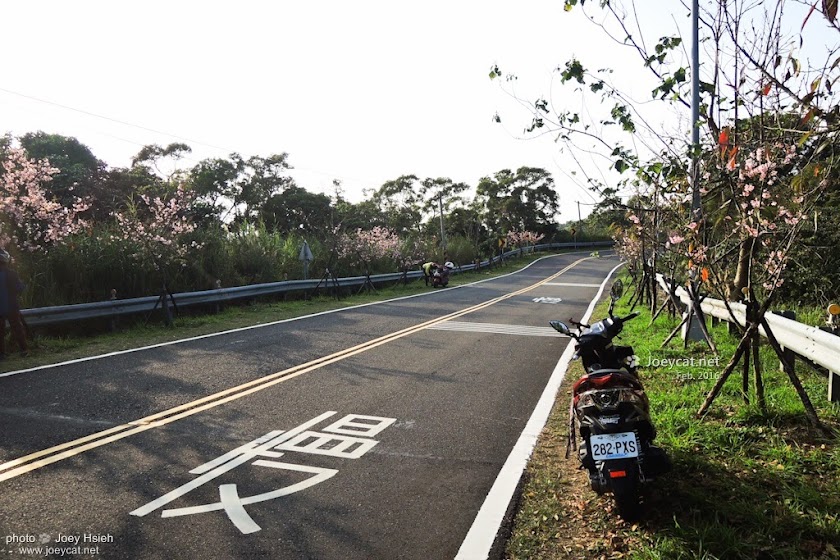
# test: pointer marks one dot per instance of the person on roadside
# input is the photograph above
(10, 289)
(429, 269)
(441, 275)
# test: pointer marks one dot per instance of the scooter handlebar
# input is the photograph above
(630, 317)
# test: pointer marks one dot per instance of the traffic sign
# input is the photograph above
(305, 252)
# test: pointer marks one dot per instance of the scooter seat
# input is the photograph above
(607, 371)
(598, 378)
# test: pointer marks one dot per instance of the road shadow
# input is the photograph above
(712, 508)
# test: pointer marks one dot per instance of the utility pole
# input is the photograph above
(442, 233)
(696, 208)
(580, 221)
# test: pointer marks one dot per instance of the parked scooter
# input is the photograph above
(440, 277)
(611, 413)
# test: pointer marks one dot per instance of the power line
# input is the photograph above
(103, 117)
(177, 136)
(164, 133)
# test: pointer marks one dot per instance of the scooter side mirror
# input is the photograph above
(617, 290)
(560, 327)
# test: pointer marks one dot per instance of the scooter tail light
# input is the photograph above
(630, 395)
(586, 399)
(618, 474)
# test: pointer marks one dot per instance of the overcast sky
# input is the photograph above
(360, 91)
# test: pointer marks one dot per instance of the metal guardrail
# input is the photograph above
(42, 316)
(811, 343)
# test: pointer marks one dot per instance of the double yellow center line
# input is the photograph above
(33, 461)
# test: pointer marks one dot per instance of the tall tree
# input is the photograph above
(401, 203)
(298, 210)
(442, 192)
(152, 157)
(263, 177)
(118, 186)
(80, 172)
(362, 215)
(525, 200)
(216, 184)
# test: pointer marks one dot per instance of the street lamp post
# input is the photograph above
(692, 330)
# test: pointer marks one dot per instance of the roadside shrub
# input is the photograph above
(461, 250)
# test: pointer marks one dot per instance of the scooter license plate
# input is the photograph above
(614, 446)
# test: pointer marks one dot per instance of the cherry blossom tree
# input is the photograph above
(761, 202)
(364, 247)
(158, 229)
(411, 252)
(522, 239)
(769, 123)
(29, 219)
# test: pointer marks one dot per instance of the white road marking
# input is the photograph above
(544, 299)
(482, 533)
(497, 328)
(344, 447)
(229, 498)
(358, 425)
(572, 285)
(320, 476)
(248, 447)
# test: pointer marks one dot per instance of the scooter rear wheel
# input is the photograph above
(627, 501)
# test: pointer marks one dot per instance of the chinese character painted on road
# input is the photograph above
(347, 438)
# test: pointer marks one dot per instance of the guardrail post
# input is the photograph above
(217, 307)
(833, 376)
(164, 306)
(113, 322)
(833, 386)
(790, 356)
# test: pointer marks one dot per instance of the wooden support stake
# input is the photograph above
(810, 412)
(743, 346)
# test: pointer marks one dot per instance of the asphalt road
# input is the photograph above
(371, 432)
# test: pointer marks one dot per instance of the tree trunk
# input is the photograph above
(759, 380)
(742, 274)
(742, 278)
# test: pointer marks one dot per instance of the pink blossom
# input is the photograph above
(158, 229)
(28, 218)
(362, 247)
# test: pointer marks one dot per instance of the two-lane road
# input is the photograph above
(370, 432)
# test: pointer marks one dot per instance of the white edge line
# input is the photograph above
(482, 533)
(172, 342)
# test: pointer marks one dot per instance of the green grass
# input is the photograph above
(49, 347)
(746, 483)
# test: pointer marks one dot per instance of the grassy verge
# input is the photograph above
(51, 348)
(745, 484)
